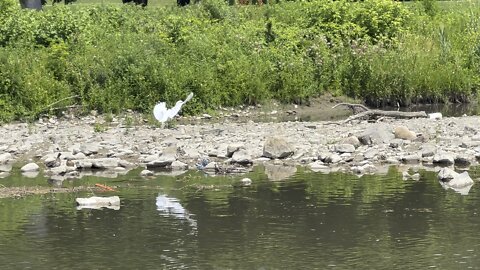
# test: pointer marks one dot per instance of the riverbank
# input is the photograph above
(233, 144)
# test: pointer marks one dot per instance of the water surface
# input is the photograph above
(308, 221)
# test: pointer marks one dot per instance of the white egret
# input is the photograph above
(162, 114)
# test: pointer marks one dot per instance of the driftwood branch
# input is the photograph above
(58, 101)
(375, 114)
(356, 108)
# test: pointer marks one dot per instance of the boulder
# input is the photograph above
(89, 148)
(178, 166)
(443, 159)
(161, 162)
(5, 157)
(344, 148)
(242, 156)
(402, 132)
(351, 140)
(376, 135)
(232, 148)
(276, 147)
(460, 182)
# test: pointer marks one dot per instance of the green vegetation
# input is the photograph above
(112, 57)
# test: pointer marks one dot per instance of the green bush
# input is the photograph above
(112, 58)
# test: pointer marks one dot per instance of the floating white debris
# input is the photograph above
(112, 202)
(435, 116)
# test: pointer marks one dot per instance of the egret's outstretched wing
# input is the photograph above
(190, 96)
(160, 112)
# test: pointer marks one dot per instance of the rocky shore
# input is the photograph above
(72, 148)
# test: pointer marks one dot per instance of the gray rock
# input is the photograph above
(232, 148)
(170, 153)
(161, 162)
(462, 161)
(178, 166)
(344, 148)
(428, 150)
(411, 159)
(83, 164)
(318, 166)
(89, 148)
(443, 159)
(333, 158)
(402, 132)
(79, 155)
(241, 157)
(5, 167)
(378, 134)
(470, 129)
(396, 143)
(104, 163)
(351, 140)
(276, 147)
(5, 157)
(30, 167)
(146, 173)
(370, 153)
(149, 158)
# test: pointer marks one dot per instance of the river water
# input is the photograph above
(307, 221)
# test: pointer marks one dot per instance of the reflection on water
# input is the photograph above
(169, 206)
(307, 221)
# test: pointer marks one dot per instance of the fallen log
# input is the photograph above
(375, 114)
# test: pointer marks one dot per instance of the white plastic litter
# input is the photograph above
(435, 116)
(112, 202)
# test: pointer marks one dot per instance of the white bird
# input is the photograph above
(162, 114)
